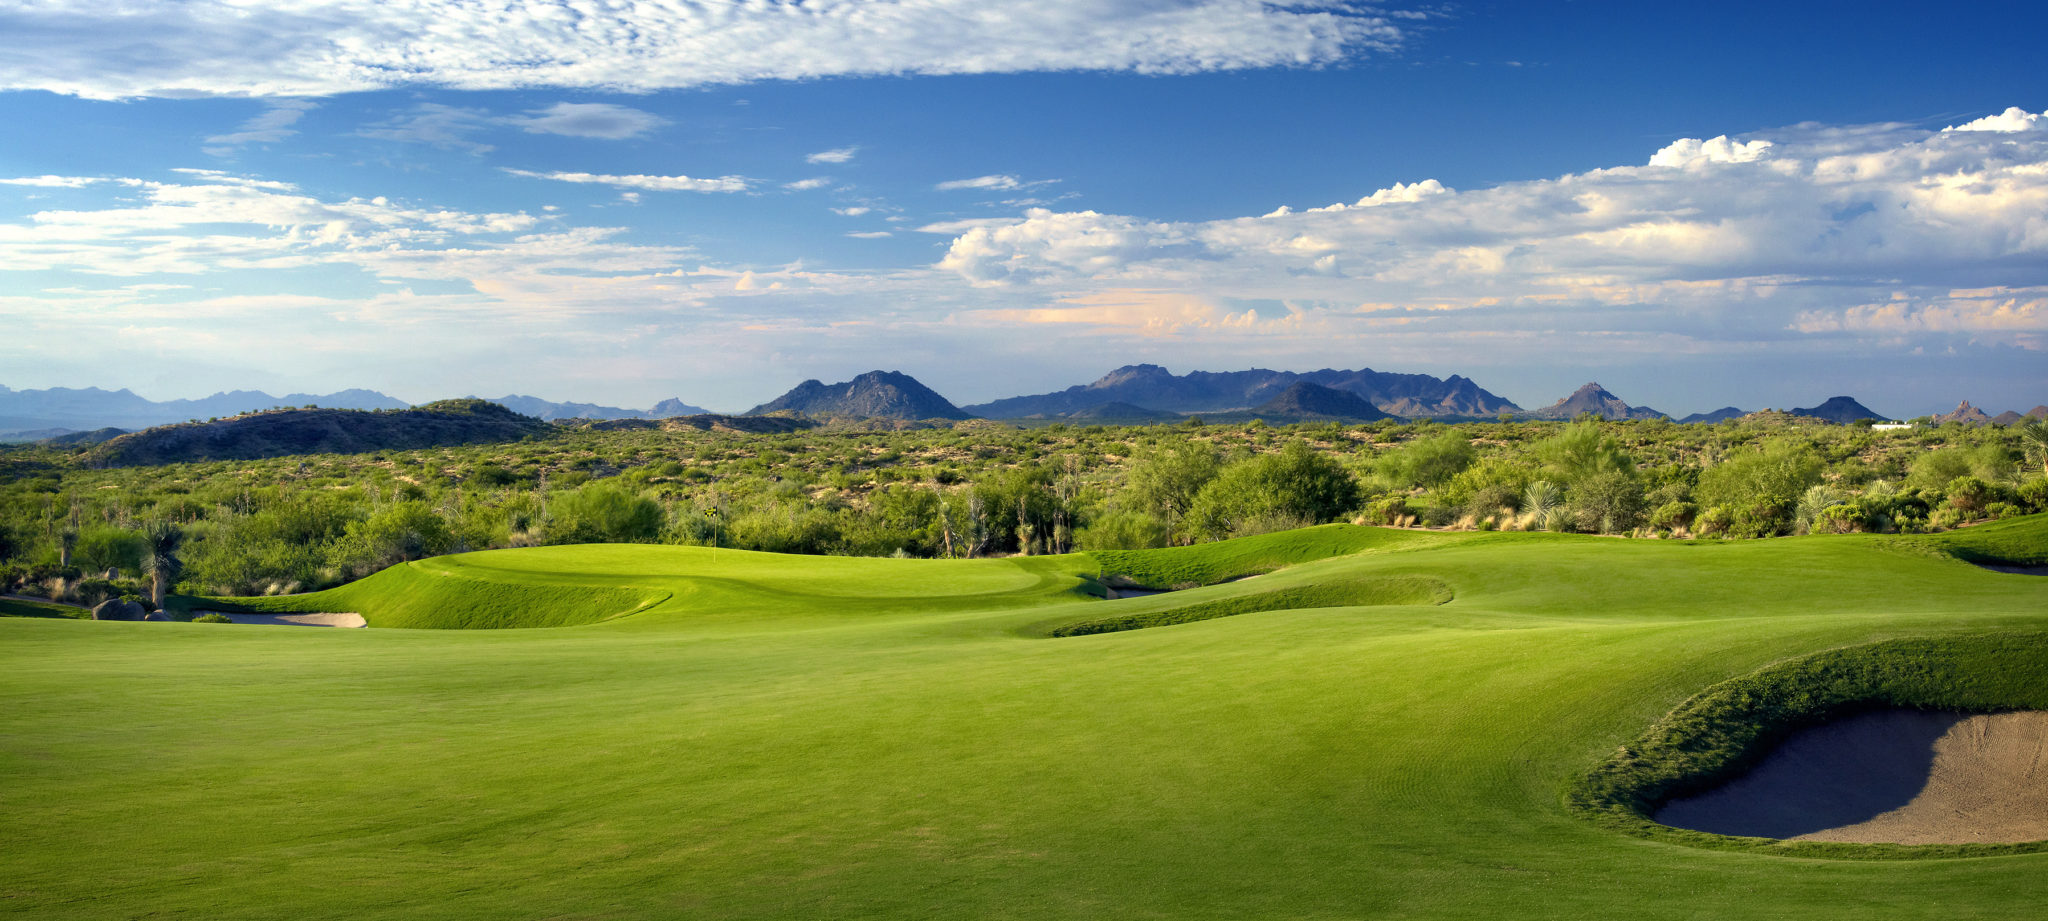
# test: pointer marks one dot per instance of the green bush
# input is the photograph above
(211, 617)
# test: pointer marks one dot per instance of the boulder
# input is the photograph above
(116, 609)
(158, 616)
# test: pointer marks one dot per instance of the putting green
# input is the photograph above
(740, 735)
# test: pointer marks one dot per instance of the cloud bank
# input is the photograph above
(1808, 230)
(109, 49)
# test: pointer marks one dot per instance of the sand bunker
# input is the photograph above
(296, 620)
(1900, 776)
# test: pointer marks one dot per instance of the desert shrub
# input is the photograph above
(1123, 531)
(2033, 494)
(1491, 499)
(399, 532)
(1292, 484)
(1936, 469)
(1816, 499)
(1761, 488)
(1675, 514)
(603, 513)
(1714, 521)
(1607, 502)
(1583, 450)
(1165, 481)
(1387, 511)
(211, 617)
(1838, 519)
(1970, 495)
(1430, 461)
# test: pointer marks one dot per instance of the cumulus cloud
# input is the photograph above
(1783, 234)
(835, 155)
(1686, 152)
(110, 49)
(645, 183)
(588, 120)
(805, 185)
(2011, 120)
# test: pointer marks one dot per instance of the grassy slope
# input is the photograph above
(806, 738)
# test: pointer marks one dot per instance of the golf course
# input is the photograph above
(1330, 723)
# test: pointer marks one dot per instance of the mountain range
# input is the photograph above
(1138, 393)
(550, 410)
(1155, 388)
(59, 412)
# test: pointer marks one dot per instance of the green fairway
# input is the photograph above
(1380, 724)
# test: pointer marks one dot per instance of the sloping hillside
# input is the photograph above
(318, 431)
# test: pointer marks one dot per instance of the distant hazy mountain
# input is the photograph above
(1592, 398)
(93, 408)
(550, 410)
(319, 431)
(1304, 401)
(1121, 412)
(874, 395)
(1841, 411)
(1154, 387)
(1724, 413)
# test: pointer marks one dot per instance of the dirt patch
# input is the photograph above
(294, 620)
(1899, 776)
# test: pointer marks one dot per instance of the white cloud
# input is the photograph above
(588, 120)
(2011, 120)
(835, 155)
(805, 185)
(870, 234)
(999, 182)
(112, 49)
(1786, 234)
(274, 124)
(854, 211)
(1686, 152)
(646, 183)
(53, 182)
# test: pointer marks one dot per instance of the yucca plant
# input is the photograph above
(1539, 500)
(161, 542)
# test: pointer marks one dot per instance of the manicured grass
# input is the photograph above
(779, 737)
(16, 607)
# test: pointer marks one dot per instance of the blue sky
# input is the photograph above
(620, 202)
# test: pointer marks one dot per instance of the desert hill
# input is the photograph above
(278, 433)
(1593, 398)
(1840, 410)
(1303, 400)
(874, 395)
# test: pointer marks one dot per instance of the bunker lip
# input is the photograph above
(323, 619)
(2015, 569)
(1889, 776)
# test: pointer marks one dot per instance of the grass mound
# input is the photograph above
(2012, 542)
(433, 595)
(1347, 593)
(1208, 564)
(1730, 727)
(16, 607)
